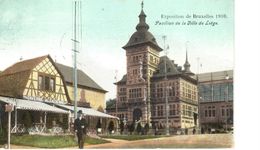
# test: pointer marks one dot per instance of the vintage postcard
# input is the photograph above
(116, 74)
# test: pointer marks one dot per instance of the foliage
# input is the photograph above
(132, 137)
(3, 136)
(138, 128)
(98, 124)
(2, 127)
(44, 141)
(93, 141)
(111, 126)
(64, 124)
(27, 119)
(111, 103)
(121, 127)
(51, 141)
(131, 128)
(146, 128)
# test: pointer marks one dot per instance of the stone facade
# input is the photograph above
(150, 81)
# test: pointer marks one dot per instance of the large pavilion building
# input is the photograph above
(41, 92)
(152, 80)
(216, 100)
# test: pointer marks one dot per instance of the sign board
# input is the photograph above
(9, 108)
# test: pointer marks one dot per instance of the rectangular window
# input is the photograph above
(159, 91)
(160, 110)
(213, 113)
(206, 113)
(52, 84)
(210, 113)
(46, 83)
(223, 112)
(135, 93)
(174, 110)
(227, 111)
(178, 109)
(40, 83)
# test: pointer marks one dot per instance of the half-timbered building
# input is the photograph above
(40, 89)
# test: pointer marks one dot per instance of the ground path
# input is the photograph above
(178, 141)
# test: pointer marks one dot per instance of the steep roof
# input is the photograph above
(83, 79)
(171, 68)
(12, 85)
(123, 80)
(14, 78)
(142, 35)
(23, 65)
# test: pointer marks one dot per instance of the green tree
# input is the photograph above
(98, 124)
(121, 127)
(146, 128)
(111, 126)
(131, 128)
(111, 103)
(27, 119)
(138, 128)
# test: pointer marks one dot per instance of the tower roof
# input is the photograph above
(171, 68)
(142, 35)
(187, 66)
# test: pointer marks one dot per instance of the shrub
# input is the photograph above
(138, 128)
(131, 128)
(121, 127)
(111, 126)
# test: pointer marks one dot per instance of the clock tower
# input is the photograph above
(142, 53)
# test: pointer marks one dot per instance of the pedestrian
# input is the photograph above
(194, 131)
(202, 131)
(80, 125)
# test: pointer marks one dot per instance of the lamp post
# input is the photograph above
(226, 100)
(167, 110)
(166, 87)
(9, 108)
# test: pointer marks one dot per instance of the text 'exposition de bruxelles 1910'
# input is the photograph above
(194, 16)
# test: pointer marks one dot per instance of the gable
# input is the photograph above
(45, 83)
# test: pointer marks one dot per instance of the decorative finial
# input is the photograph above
(142, 24)
(187, 50)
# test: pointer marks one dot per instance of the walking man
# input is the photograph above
(80, 126)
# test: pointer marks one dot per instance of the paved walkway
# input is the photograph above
(179, 141)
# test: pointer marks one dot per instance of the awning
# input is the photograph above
(32, 105)
(88, 111)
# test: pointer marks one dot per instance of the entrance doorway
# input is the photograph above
(137, 114)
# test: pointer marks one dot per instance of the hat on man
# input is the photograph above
(80, 112)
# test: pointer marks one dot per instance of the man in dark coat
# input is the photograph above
(80, 125)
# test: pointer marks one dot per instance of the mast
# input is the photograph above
(166, 87)
(77, 15)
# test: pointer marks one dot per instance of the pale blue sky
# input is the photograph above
(30, 28)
